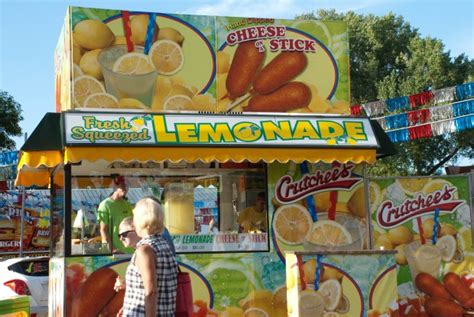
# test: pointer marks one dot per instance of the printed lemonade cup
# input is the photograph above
(423, 258)
(128, 75)
(345, 233)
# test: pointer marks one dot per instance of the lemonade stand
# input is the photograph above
(211, 113)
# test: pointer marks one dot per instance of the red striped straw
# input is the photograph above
(420, 229)
(127, 30)
(299, 262)
(333, 200)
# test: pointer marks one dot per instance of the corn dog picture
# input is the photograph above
(267, 65)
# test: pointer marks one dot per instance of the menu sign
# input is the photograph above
(227, 242)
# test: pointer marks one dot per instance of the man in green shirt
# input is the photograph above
(111, 212)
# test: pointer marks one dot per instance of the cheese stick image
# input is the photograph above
(291, 96)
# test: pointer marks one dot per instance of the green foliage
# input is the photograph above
(389, 58)
(9, 120)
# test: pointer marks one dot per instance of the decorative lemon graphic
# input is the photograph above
(76, 71)
(331, 291)
(131, 103)
(178, 103)
(93, 34)
(311, 303)
(233, 312)
(291, 224)
(411, 186)
(356, 203)
(171, 34)
(167, 57)
(317, 103)
(133, 64)
(90, 64)
(101, 100)
(83, 87)
(255, 312)
(329, 233)
(76, 53)
(203, 102)
(261, 299)
(400, 235)
(139, 26)
(223, 62)
(279, 297)
(447, 246)
(437, 185)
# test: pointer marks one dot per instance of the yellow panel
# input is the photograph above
(208, 154)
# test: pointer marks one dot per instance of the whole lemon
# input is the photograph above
(171, 34)
(400, 256)
(90, 64)
(322, 201)
(120, 40)
(139, 26)
(309, 268)
(428, 225)
(331, 274)
(93, 34)
(400, 235)
(356, 203)
(383, 242)
(76, 53)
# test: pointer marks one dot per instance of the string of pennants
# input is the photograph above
(423, 115)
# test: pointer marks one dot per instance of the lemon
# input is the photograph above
(255, 312)
(375, 195)
(330, 273)
(309, 269)
(233, 312)
(179, 89)
(291, 223)
(428, 225)
(204, 102)
(178, 103)
(101, 100)
(223, 62)
(76, 53)
(411, 186)
(331, 291)
(133, 64)
(400, 235)
(400, 256)
(322, 201)
(437, 185)
(90, 64)
(171, 34)
(279, 297)
(356, 203)
(329, 233)
(331, 314)
(76, 71)
(340, 107)
(131, 103)
(447, 246)
(311, 303)
(447, 229)
(167, 57)
(465, 240)
(261, 299)
(383, 242)
(84, 86)
(139, 26)
(120, 40)
(93, 34)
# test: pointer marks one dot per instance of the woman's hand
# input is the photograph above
(119, 284)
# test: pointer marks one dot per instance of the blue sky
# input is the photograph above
(29, 31)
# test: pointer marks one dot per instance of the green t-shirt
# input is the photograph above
(112, 212)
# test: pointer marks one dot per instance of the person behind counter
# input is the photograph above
(111, 212)
(254, 218)
(151, 277)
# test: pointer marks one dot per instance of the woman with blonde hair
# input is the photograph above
(151, 277)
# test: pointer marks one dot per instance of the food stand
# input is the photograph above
(209, 113)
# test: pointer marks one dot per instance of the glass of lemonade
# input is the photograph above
(140, 87)
(423, 258)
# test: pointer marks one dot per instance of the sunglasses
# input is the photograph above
(124, 234)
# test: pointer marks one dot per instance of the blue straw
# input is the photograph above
(149, 32)
(317, 274)
(435, 226)
(309, 199)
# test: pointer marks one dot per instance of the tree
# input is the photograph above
(389, 58)
(9, 120)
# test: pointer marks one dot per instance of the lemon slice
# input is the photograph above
(279, 297)
(84, 86)
(133, 64)
(291, 223)
(329, 233)
(167, 57)
(311, 304)
(331, 314)
(447, 246)
(411, 186)
(101, 100)
(255, 312)
(428, 259)
(331, 291)
(438, 184)
(375, 195)
(76, 71)
(177, 103)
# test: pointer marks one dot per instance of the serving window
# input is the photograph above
(207, 207)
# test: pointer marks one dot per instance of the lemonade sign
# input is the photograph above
(431, 252)
(171, 62)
